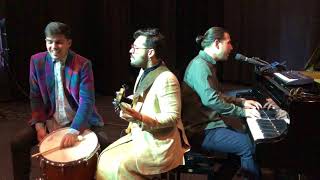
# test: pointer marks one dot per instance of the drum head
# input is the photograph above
(82, 149)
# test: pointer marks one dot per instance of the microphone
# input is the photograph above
(240, 57)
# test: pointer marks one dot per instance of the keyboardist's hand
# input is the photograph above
(252, 113)
(270, 104)
(251, 104)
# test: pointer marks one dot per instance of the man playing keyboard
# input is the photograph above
(204, 105)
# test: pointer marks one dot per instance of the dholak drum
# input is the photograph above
(78, 162)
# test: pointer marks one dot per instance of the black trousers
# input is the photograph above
(24, 140)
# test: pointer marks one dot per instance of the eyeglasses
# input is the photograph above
(135, 48)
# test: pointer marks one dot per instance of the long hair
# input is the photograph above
(212, 34)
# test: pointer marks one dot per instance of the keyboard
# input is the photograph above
(267, 128)
(293, 78)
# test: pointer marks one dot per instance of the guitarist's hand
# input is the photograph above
(116, 106)
(129, 114)
(116, 101)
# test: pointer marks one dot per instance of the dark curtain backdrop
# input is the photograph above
(102, 31)
(285, 30)
(193, 19)
(26, 22)
(2, 8)
(120, 20)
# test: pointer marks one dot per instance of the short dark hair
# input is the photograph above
(212, 34)
(57, 28)
(155, 40)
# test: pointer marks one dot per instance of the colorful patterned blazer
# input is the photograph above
(78, 88)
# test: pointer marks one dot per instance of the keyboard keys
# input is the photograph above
(267, 127)
(293, 78)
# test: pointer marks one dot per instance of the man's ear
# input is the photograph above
(216, 43)
(151, 53)
(70, 42)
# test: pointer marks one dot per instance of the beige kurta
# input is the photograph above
(146, 151)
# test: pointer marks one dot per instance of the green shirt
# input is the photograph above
(203, 103)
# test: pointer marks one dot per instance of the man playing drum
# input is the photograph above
(61, 95)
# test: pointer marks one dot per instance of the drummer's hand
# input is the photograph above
(41, 131)
(251, 104)
(68, 140)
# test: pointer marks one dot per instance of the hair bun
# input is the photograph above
(199, 39)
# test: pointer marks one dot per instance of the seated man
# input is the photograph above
(204, 105)
(156, 141)
(61, 95)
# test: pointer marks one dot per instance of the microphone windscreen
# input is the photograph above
(239, 57)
